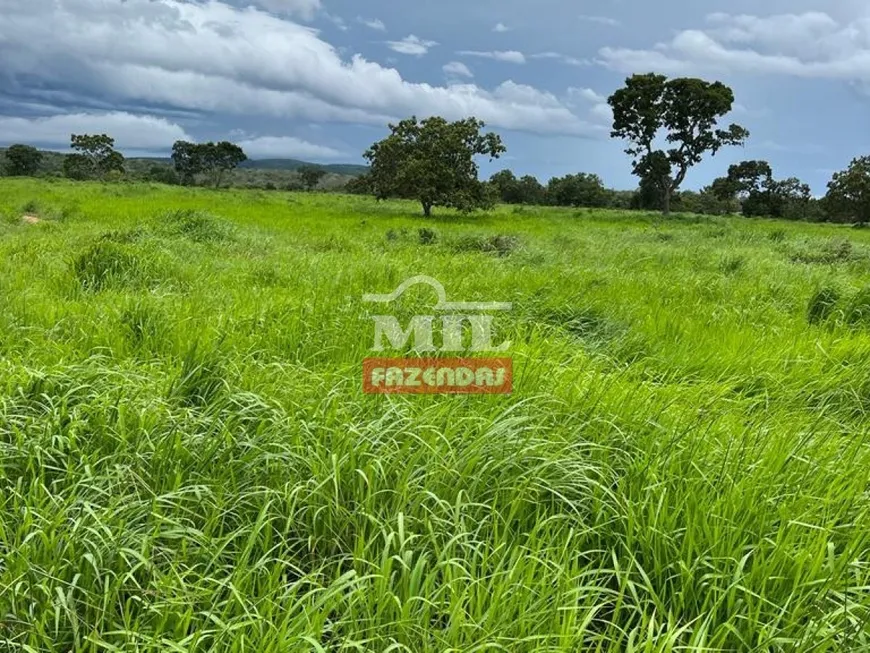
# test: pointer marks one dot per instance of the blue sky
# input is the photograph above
(319, 79)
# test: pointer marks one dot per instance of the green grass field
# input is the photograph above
(188, 462)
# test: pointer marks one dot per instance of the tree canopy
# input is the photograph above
(311, 176)
(433, 161)
(849, 192)
(94, 158)
(684, 112)
(753, 185)
(213, 160)
(22, 160)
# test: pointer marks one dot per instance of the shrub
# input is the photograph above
(427, 236)
(858, 310)
(106, 263)
(822, 305)
(732, 264)
(501, 245)
(834, 251)
(197, 226)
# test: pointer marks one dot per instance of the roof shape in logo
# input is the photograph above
(443, 304)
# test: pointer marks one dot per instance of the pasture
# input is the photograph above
(188, 462)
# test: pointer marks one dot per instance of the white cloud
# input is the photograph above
(558, 56)
(280, 147)
(218, 58)
(501, 28)
(412, 45)
(600, 20)
(508, 56)
(593, 102)
(374, 23)
(130, 131)
(809, 45)
(304, 9)
(457, 69)
(338, 21)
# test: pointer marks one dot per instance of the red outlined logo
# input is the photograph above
(467, 376)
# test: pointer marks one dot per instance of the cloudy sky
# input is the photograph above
(319, 79)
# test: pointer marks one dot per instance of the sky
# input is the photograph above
(320, 79)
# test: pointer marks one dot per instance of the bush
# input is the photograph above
(104, 264)
(822, 305)
(501, 245)
(858, 310)
(427, 236)
(834, 251)
(196, 226)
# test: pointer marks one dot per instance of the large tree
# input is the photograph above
(684, 113)
(848, 195)
(433, 161)
(95, 156)
(22, 160)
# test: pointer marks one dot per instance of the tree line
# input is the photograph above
(668, 125)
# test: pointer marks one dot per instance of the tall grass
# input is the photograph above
(188, 462)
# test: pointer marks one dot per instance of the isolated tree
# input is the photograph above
(311, 176)
(433, 161)
(211, 159)
(848, 195)
(95, 156)
(22, 161)
(684, 112)
(188, 161)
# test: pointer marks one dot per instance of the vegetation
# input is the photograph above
(682, 111)
(433, 161)
(213, 160)
(311, 176)
(94, 157)
(22, 161)
(849, 192)
(189, 463)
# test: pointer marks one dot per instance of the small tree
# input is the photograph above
(361, 185)
(685, 111)
(95, 157)
(311, 176)
(22, 161)
(759, 194)
(188, 161)
(219, 158)
(849, 192)
(433, 161)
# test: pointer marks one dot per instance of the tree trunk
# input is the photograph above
(666, 201)
(427, 209)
